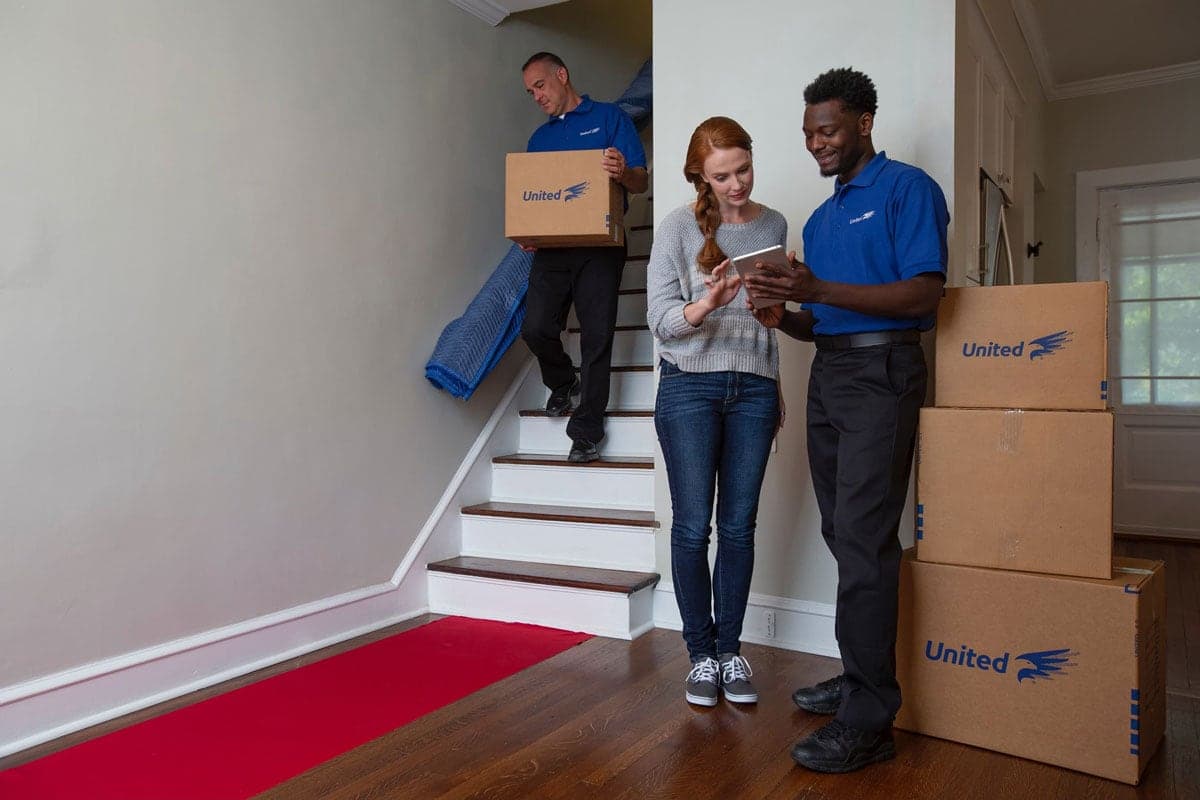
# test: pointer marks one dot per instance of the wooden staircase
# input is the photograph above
(570, 545)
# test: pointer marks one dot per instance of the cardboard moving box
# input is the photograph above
(1069, 671)
(562, 199)
(1023, 490)
(1034, 346)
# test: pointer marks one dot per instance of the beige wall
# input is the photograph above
(1147, 125)
(700, 70)
(230, 234)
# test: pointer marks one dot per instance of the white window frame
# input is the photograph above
(1088, 185)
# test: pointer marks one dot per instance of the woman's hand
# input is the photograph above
(723, 284)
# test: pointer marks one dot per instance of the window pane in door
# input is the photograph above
(1135, 338)
(1177, 338)
(1178, 393)
(1135, 392)
(1180, 279)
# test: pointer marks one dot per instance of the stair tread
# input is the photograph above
(612, 412)
(605, 516)
(604, 580)
(618, 328)
(560, 460)
(637, 258)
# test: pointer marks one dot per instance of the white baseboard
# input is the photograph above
(799, 625)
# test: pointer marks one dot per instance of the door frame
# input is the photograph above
(1088, 185)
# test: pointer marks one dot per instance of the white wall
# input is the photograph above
(230, 234)
(752, 63)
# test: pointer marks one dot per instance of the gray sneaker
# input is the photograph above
(703, 682)
(735, 679)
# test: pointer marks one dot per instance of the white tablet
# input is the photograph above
(744, 264)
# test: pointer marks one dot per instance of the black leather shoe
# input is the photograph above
(583, 451)
(840, 748)
(563, 399)
(824, 698)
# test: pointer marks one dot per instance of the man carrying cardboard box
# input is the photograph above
(877, 250)
(589, 276)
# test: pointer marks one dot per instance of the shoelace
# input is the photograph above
(736, 668)
(704, 670)
(833, 730)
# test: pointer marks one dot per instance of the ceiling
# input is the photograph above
(1085, 47)
(494, 11)
(1080, 47)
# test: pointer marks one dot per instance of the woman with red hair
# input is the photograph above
(718, 400)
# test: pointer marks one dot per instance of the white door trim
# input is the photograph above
(1088, 185)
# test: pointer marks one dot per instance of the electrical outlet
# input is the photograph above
(770, 618)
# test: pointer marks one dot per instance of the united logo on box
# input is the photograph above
(1068, 671)
(1037, 346)
(562, 199)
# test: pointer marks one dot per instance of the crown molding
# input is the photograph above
(491, 13)
(1127, 80)
(1036, 42)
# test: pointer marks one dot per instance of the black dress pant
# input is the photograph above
(863, 405)
(590, 277)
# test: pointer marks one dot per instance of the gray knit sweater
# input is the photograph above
(730, 338)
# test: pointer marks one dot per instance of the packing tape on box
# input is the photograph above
(1010, 431)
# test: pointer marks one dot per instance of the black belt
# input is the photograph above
(871, 339)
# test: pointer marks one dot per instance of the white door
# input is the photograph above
(1149, 251)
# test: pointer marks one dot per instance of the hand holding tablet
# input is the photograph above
(745, 265)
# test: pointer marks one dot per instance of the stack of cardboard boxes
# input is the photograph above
(1019, 632)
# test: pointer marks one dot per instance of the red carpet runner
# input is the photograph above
(244, 742)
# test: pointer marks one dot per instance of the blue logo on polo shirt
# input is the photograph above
(1040, 347)
(566, 195)
(1043, 664)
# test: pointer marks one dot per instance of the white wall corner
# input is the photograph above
(491, 13)
(1035, 42)
(800, 625)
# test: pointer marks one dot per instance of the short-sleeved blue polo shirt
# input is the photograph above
(591, 126)
(887, 224)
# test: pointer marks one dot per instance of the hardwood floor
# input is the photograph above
(607, 719)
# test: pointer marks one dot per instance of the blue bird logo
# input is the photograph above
(1044, 664)
(1049, 344)
(577, 190)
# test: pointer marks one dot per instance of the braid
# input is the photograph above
(708, 218)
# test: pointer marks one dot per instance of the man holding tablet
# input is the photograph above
(876, 263)
(589, 276)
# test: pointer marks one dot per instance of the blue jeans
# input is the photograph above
(715, 428)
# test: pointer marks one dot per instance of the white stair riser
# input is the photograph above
(631, 310)
(628, 391)
(618, 616)
(578, 486)
(623, 436)
(634, 276)
(553, 542)
(629, 348)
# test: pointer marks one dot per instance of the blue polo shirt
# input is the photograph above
(590, 126)
(887, 224)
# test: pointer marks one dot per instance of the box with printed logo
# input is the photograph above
(1069, 671)
(562, 199)
(1014, 489)
(1034, 346)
